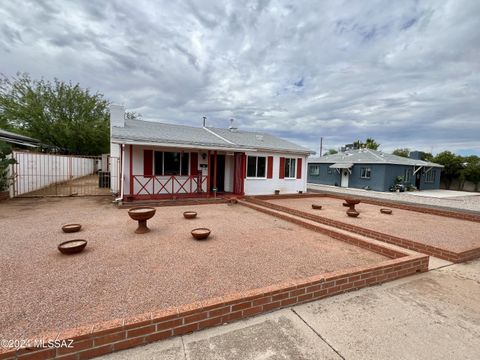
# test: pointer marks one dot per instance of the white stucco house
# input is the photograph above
(160, 160)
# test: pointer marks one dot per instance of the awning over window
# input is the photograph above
(341, 166)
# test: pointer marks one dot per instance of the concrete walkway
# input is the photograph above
(435, 315)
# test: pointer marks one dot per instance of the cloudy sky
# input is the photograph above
(403, 72)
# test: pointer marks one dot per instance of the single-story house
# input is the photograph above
(371, 169)
(160, 160)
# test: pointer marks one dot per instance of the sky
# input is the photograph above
(406, 73)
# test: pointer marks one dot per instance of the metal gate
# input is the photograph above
(38, 174)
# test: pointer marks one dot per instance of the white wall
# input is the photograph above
(36, 170)
(229, 166)
(268, 186)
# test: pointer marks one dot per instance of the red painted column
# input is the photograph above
(208, 173)
(215, 170)
(131, 170)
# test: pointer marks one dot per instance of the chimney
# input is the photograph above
(232, 127)
(204, 121)
(117, 116)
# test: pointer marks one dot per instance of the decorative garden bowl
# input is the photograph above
(200, 233)
(386, 211)
(316, 207)
(72, 246)
(142, 214)
(71, 228)
(353, 202)
(352, 213)
(190, 214)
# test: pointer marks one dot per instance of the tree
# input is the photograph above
(5, 162)
(57, 113)
(405, 152)
(369, 144)
(472, 170)
(331, 152)
(452, 166)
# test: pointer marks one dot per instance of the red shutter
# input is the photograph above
(299, 168)
(193, 164)
(281, 174)
(270, 167)
(147, 162)
(244, 165)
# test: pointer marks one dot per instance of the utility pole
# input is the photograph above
(321, 145)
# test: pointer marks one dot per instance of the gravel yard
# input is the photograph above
(121, 273)
(439, 231)
(469, 202)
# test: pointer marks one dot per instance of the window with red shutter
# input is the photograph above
(281, 173)
(270, 167)
(147, 162)
(299, 168)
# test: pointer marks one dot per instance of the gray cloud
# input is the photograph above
(405, 73)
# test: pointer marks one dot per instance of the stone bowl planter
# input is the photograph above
(72, 246)
(352, 213)
(71, 228)
(142, 214)
(386, 211)
(316, 207)
(190, 214)
(351, 202)
(201, 233)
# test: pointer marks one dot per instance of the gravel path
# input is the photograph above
(469, 203)
(440, 231)
(122, 274)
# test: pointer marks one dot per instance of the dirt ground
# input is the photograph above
(122, 274)
(443, 232)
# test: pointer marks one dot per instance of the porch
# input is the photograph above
(161, 173)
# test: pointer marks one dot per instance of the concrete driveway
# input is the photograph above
(435, 315)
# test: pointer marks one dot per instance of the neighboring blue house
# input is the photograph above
(374, 170)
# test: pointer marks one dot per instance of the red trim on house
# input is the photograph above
(244, 165)
(131, 169)
(281, 173)
(238, 177)
(194, 163)
(208, 168)
(299, 168)
(147, 162)
(270, 167)
(215, 170)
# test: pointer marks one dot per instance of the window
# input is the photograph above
(256, 166)
(408, 175)
(365, 173)
(315, 170)
(430, 176)
(290, 168)
(171, 163)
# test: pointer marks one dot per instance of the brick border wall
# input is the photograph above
(409, 244)
(107, 337)
(115, 335)
(417, 208)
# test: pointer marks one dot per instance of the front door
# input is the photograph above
(345, 175)
(220, 172)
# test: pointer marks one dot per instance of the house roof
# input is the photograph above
(140, 131)
(369, 156)
(18, 139)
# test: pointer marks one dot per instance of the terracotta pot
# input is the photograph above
(386, 211)
(142, 214)
(71, 228)
(201, 233)
(352, 213)
(316, 207)
(190, 214)
(72, 246)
